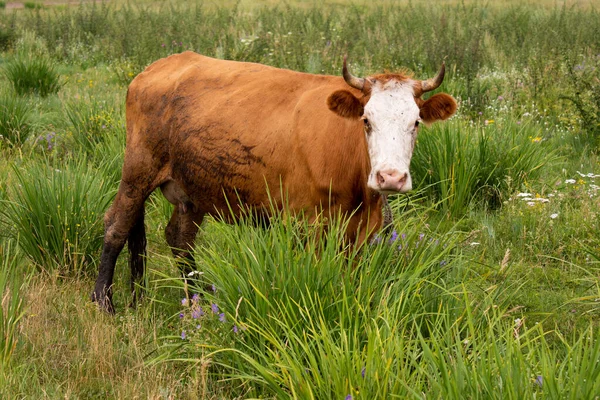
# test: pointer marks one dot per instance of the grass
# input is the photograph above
(486, 288)
(55, 215)
(17, 120)
(33, 75)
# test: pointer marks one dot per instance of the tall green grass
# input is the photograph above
(33, 75)
(478, 165)
(17, 120)
(283, 314)
(92, 122)
(12, 306)
(56, 214)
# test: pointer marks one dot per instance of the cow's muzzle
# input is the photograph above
(392, 180)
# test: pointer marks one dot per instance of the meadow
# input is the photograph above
(487, 287)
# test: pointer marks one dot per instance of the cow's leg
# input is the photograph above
(125, 214)
(136, 244)
(181, 233)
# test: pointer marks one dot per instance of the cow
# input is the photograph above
(218, 137)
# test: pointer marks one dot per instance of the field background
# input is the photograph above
(487, 286)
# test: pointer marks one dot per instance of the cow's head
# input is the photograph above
(391, 110)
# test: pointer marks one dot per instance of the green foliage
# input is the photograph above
(57, 215)
(33, 75)
(584, 80)
(16, 119)
(92, 121)
(462, 165)
(303, 315)
(12, 306)
(290, 315)
(32, 5)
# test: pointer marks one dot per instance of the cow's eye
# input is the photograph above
(367, 124)
(416, 123)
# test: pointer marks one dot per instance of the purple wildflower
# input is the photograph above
(235, 329)
(500, 98)
(403, 236)
(162, 45)
(183, 335)
(214, 288)
(349, 397)
(539, 380)
(363, 371)
(443, 262)
(222, 317)
(394, 237)
(197, 313)
(480, 113)
(214, 308)
(421, 236)
(180, 315)
(195, 297)
(198, 326)
(184, 301)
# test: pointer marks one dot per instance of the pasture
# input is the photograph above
(488, 285)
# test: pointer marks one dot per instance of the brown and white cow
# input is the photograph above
(217, 135)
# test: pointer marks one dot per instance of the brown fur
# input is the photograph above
(438, 107)
(343, 103)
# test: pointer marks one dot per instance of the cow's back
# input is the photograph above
(222, 127)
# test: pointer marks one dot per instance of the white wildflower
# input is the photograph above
(554, 216)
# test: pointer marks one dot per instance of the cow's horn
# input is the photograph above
(434, 83)
(357, 83)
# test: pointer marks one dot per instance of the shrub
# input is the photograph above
(584, 82)
(16, 119)
(33, 75)
(57, 214)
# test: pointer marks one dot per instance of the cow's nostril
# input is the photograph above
(380, 179)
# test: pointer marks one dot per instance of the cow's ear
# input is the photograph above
(438, 107)
(344, 104)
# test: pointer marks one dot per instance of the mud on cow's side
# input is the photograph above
(215, 135)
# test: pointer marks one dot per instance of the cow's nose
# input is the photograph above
(392, 180)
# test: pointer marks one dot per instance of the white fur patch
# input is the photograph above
(392, 113)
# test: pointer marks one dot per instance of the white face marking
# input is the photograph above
(391, 133)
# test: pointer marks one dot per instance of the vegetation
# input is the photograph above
(487, 287)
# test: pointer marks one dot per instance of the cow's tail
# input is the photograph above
(136, 243)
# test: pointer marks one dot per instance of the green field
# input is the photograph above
(489, 286)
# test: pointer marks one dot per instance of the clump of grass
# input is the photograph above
(16, 119)
(91, 121)
(11, 303)
(289, 306)
(283, 313)
(33, 75)
(57, 215)
(462, 165)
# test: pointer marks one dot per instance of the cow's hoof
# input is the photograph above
(104, 302)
